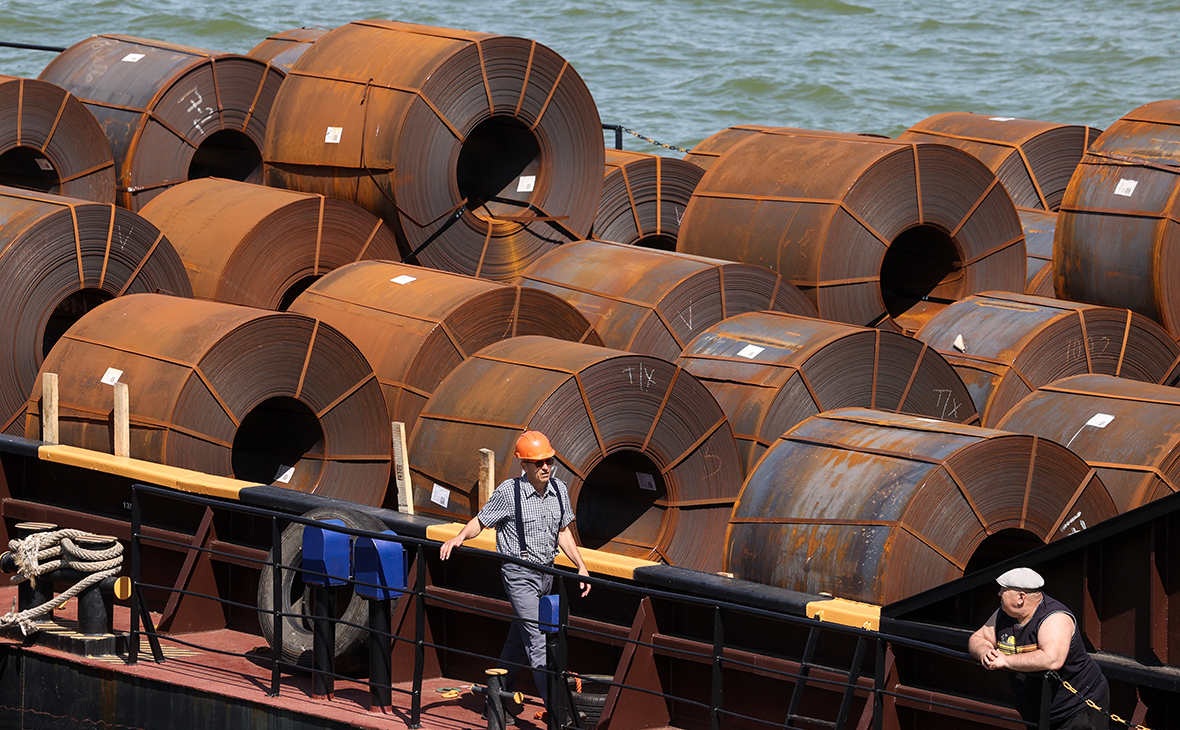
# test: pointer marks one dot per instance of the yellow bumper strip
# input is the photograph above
(149, 472)
(846, 613)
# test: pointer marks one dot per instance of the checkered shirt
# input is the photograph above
(540, 513)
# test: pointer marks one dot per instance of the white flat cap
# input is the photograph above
(1022, 579)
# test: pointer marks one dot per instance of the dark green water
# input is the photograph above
(679, 70)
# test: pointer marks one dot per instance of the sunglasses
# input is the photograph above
(539, 462)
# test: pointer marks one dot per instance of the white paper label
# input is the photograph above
(44, 164)
(332, 136)
(1001, 119)
(959, 344)
(750, 351)
(526, 184)
(403, 279)
(285, 474)
(1100, 420)
(132, 57)
(440, 495)
(111, 376)
(646, 481)
(1125, 187)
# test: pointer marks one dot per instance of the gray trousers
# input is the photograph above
(526, 642)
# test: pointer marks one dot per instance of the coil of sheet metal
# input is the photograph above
(1116, 241)
(643, 199)
(1128, 430)
(59, 258)
(52, 143)
(260, 247)
(480, 151)
(1039, 227)
(417, 325)
(1005, 346)
(171, 113)
(648, 455)
(282, 50)
(268, 397)
(877, 507)
(770, 370)
(654, 302)
(874, 231)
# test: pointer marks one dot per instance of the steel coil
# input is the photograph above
(770, 370)
(268, 397)
(877, 507)
(171, 113)
(1116, 240)
(654, 302)
(1129, 431)
(260, 247)
(417, 325)
(1039, 227)
(704, 153)
(52, 143)
(59, 258)
(647, 453)
(643, 199)
(874, 231)
(484, 151)
(1005, 346)
(282, 50)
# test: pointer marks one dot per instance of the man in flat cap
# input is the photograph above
(1032, 632)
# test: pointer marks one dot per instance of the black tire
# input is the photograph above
(351, 643)
(589, 702)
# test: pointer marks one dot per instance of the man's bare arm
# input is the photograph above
(565, 540)
(470, 530)
(1052, 646)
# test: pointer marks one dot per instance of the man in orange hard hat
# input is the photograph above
(532, 515)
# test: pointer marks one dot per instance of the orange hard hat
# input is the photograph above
(533, 446)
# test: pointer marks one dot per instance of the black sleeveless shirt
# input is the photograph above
(1080, 670)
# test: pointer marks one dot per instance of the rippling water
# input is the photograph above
(679, 70)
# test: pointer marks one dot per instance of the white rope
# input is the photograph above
(44, 552)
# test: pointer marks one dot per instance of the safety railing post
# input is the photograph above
(276, 616)
(562, 708)
(419, 638)
(1043, 721)
(133, 645)
(879, 686)
(717, 698)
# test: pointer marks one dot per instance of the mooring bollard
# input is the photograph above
(28, 594)
(326, 559)
(96, 607)
(497, 715)
(380, 575)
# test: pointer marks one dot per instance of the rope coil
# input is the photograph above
(45, 552)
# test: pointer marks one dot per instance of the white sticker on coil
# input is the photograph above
(440, 495)
(646, 481)
(1126, 188)
(1100, 420)
(1001, 119)
(111, 376)
(403, 279)
(526, 184)
(132, 57)
(332, 136)
(44, 164)
(750, 351)
(285, 474)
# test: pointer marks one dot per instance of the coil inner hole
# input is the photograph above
(922, 264)
(24, 167)
(276, 435)
(612, 503)
(228, 154)
(498, 159)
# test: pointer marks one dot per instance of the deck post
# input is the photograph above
(122, 435)
(49, 431)
(401, 469)
(487, 475)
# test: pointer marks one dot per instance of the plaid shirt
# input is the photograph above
(541, 515)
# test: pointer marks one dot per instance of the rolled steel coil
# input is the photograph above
(1034, 160)
(282, 50)
(59, 258)
(877, 507)
(1129, 431)
(171, 113)
(480, 151)
(707, 151)
(260, 247)
(1117, 239)
(643, 199)
(874, 231)
(52, 143)
(654, 302)
(648, 455)
(1039, 227)
(268, 397)
(1005, 346)
(417, 325)
(770, 370)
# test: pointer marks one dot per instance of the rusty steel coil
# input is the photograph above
(480, 151)
(1033, 160)
(1128, 430)
(647, 453)
(877, 507)
(874, 231)
(643, 199)
(1039, 227)
(770, 370)
(1116, 240)
(704, 153)
(171, 113)
(59, 258)
(1005, 346)
(268, 397)
(654, 302)
(417, 325)
(49, 141)
(260, 247)
(282, 50)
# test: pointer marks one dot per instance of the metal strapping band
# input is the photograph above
(1086, 340)
(524, 84)
(655, 421)
(696, 445)
(962, 487)
(1109, 396)
(1123, 352)
(999, 143)
(909, 384)
(372, 234)
(315, 329)
(993, 251)
(589, 414)
(535, 366)
(471, 421)
(887, 453)
(691, 503)
(591, 292)
(1028, 483)
(545, 106)
(106, 255)
(1073, 500)
(319, 235)
(483, 71)
(345, 395)
(139, 267)
(84, 173)
(56, 120)
(975, 207)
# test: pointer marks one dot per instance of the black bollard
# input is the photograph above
(323, 642)
(380, 656)
(29, 595)
(95, 606)
(497, 718)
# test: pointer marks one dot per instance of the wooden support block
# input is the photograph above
(49, 432)
(401, 469)
(122, 420)
(487, 475)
